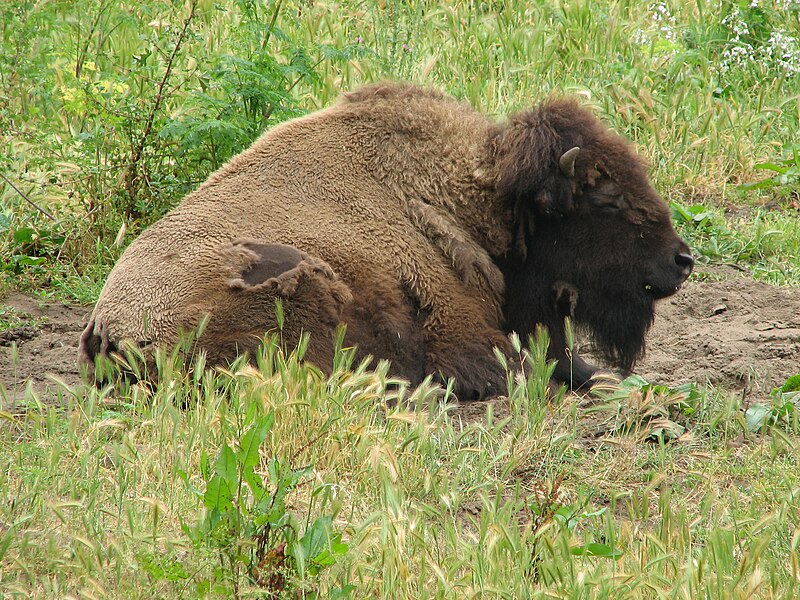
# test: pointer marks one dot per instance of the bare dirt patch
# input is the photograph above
(731, 331)
(45, 351)
(736, 333)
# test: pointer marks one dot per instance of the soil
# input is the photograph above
(722, 328)
(735, 333)
(46, 350)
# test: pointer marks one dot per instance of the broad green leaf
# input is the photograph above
(634, 381)
(226, 466)
(24, 235)
(218, 494)
(595, 549)
(771, 166)
(28, 260)
(205, 465)
(757, 416)
(342, 593)
(317, 536)
(790, 385)
(252, 440)
(328, 556)
(261, 496)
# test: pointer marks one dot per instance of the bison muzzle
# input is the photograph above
(429, 230)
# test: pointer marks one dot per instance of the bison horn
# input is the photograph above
(567, 161)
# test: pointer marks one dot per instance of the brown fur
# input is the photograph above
(398, 211)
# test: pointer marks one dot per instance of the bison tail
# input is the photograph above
(94, 343)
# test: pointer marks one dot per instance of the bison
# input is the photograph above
(429, 230)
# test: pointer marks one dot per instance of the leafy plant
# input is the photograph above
(547, 508)
(697, 216)
(756, 243)
(248, 521)
(31, 247)
(650, 412)
(786, 178)
(782, 410)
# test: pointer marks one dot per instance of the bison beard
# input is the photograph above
(611, 311)
(617, 324)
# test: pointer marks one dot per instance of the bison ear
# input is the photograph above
(533, 172)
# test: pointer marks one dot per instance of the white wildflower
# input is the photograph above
(736, 24)
(783, 51)
(640, 38)
(665, 20)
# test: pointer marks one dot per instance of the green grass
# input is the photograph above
(12, 318)
(110, 113)
(406, 495)
(108, 120)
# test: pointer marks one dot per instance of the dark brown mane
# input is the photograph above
(600, 232)
(527, 149)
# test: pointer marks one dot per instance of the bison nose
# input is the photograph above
(685, 262)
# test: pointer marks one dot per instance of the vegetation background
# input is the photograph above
(277, 481)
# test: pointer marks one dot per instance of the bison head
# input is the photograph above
(594, 240)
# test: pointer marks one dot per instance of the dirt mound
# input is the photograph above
(736, 333)
(733, 332)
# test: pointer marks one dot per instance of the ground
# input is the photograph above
(722, 327)
(735, 332)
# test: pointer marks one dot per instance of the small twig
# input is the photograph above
(28, 200)
(81, 58)
(138, 150)
(61, 248)
(271, 26)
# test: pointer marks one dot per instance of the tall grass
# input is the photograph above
(112, 112)
(108, 495)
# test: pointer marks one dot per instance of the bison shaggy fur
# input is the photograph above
(429, 230)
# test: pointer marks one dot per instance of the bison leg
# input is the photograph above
(313, 300)
(468, 258)
(383, 322)
(473, 366)
(571, 368)
(460, 336)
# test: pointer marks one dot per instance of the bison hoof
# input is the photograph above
(477, 373)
